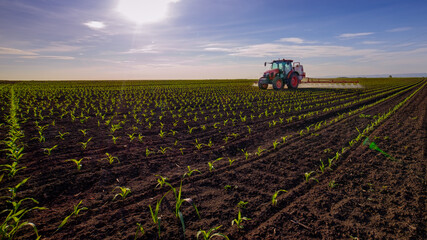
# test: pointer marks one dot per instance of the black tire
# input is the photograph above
(278, 83)
(293, 81)
(262, 86)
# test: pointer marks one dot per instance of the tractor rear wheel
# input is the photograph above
(262, 86)
(278, 83)
(293, 81)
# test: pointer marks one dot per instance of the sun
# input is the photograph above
(144, 11)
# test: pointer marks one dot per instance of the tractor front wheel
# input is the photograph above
(278, 83)
(262, 85)
(293, 81)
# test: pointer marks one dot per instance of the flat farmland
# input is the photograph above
(166, 159)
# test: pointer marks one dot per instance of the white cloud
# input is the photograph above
(400, 29)
(96, 25)
(372, 42)
(300, 51)
(146, 49)
(353, 35)
(48, 57)
(14, 51)
(292, 40)
(218, 49)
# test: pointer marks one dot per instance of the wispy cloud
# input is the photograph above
(14, 51)
(306, 51)
(146, 49)
(354, 35)
(58, 47)
(295, 40)
(400, 29)
(96, 25)
(48, 57)
(372, 42)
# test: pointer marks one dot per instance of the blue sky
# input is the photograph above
(207, 39)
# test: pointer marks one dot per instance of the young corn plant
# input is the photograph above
(179, 202)
(77, 162)
(76, 212)
(114, 139)
(241, 204)
(161, 181)
(231, 161)
(210, 234)
(155, 214)
(124, 192)
(139, 229)
(239, 220)
(245, 153)
(259, 151)
(61, 135)
(308, 177)
(49, 150)
(274, 198)
(84, 144)
(110, 158)
(12, 224)
(11, 169)
(275, 144)
(190, 171)
(210, 164)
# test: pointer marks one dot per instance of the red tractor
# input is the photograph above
(282, 72)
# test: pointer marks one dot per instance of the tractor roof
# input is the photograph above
(282, 60)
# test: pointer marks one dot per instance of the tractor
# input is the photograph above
(283, 71)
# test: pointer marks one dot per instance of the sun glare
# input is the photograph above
(144, 11)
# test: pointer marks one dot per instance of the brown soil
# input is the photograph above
(374, 197)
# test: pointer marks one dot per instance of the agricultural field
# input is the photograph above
(171, 159)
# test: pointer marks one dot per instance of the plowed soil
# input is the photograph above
(364, 194)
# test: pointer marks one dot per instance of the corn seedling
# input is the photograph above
(259, 151)
(131, 137)
(124, 191)
(198, 145)
(49, 150)
(163, 150)
(210, 234)
(148, 152)
(275, 144)
(190, 171)
(114, 139)
(61, 135)
(322, 166)
(83, 131)
(245, 153)
(241, 204)
(11, 169)
(274, 198)
(161, 181)
(332, 184)
(179, 202)
(210, 164)
(74, 213)
(239, 220)
(308, 177)
(12, 223)
(155, 213)
(139, 229)
(84, 144)
(77, 162)
(231, 161)
(110, 158)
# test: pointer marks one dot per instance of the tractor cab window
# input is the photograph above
(287, 67)
(274, 66)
